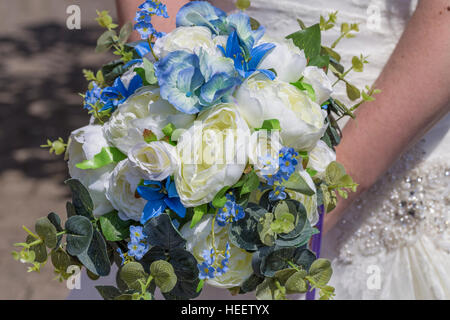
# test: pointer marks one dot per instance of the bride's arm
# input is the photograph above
(126, 11)
(415, 94)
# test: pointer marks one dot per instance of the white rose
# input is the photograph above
(121, 191)
(205, 166)
(199, 238)
(143, 110)
(287, 59)
(156, 160)
(309, 202)
(84, 144)
(186, 38)
(320, 157)
(302, 120)
(320, 82)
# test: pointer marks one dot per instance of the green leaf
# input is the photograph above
(108, 292)
(251, 283)
(60, 259)
(47, 232)
(79, 234)
(96, 258)
(70, 208)
(266, 233)
(106, 156)
(251, 183)
(309, 40)
(200, 285)
(114, 228)
(334, 173)
(305, 87)
(357, 64)
(297, 283)
(81, 199)
(39, 251)
(320, 61)
(297, 183)
(265, 290)
(105, 41)
(271, 124)
(164, 275)
(220, 198)
(131, 273)
(125, 32)
(244, 232)
(333, 54)
(353, 92)
(168, 130)
(199, 212)
(320, 272)
(161, 233)
(147, 73)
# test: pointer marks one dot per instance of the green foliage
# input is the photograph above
(251, 283)
(303, 86)
(296, 283)
(309, 40)
(57, 146)
(81, 199)
(320, 272)
(244, 232)
(108, 292)
(250, 183)
(297, 183)
(270, 124)
(199, 212)
(114, 228)
(242, 4)
(147, 73)
(39, 251)
(220, 199)
(96, 258)
(327, 24)
(105, 20)
(160, 232)
(47, 232)
(131, 273)
(79, 234)
(164, 275)
(106, 156)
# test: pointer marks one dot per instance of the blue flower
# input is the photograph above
(209, 256)
(247, 63)
(159, 199)
(277, 194)
(240, 23)
(288, 160)
(191, 82)
(118, 93)
(137, 249)
(199, 13)
(136, 234)
(206, 270)
(122, 255)
(230, 212)
(92, 96)
(154, 7)
(269, 165)
(144, 16)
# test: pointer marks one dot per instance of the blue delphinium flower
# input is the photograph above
(144, 16)
(137, 249)
(191, 82)
(159, 199)
(230, 212)
(92, 96)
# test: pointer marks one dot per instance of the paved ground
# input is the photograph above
(40, 76)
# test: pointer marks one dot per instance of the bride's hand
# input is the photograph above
(415, 95)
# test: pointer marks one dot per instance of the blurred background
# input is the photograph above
(40, 78)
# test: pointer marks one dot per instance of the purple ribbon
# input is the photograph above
(316, 243)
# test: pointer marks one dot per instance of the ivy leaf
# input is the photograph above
(161, 233)
(81, 199)
(106, 156)
(79, 234)
(320, 61)
(114, 228)
(309, 40)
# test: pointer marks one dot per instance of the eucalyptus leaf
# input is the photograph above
(39, 250)
(60, 259)
(105, 41)
(79, 234)
(251, 283)
(297, 283)
(321, 272)
(81, 199)
(131, 273)
(125, 32)
(47, 232)
(353, 92)
(95, 258)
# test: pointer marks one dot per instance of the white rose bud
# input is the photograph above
(188, 39)
(199, 239)
(302, 120)
(320, 82)
(84, 144)
(121, 191)
(156, 160)
(320, 157)
(286, 59)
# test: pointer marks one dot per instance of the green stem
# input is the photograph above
(342, 77)
(30, 232)
(149, 39)
(293, 265)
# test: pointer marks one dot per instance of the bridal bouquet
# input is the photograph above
(209, 158)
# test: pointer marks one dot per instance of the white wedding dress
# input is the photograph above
(394, 242)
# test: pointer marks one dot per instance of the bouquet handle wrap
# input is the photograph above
(316, 243)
